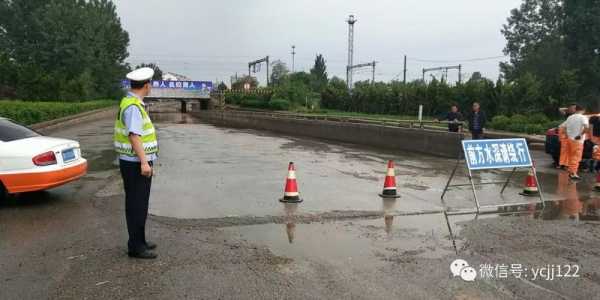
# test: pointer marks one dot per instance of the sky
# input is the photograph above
(214, 40)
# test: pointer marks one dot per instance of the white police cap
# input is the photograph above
(142, 74)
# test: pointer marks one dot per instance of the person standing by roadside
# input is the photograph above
(455, 117)
(576, 127)
(477, 120)
(136, 143)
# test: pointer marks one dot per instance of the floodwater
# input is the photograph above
(206, 171)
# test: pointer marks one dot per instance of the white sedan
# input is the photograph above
(32, 162)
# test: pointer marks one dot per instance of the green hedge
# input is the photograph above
(279, 104)
(29, 112)
(533, 124)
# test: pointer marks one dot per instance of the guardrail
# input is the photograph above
(423, 124)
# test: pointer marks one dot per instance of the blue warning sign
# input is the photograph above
(496, 154)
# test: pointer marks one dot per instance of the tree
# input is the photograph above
(239, 84)
(557, 42)
(62, 49)
(222, 87)
(319, 74)
(581, 30)
(158, 73)
(279, 73)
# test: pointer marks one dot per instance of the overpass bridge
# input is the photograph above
(188, 93)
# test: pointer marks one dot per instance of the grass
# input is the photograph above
(31, 112)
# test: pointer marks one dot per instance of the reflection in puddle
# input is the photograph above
(356, 242)
(290, 210)
(571, 206)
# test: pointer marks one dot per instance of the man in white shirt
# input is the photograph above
(575, 127)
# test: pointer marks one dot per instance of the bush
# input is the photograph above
(535, 124)
(279, 104)
(254, 103)
(538, 118)
(27, 112)
(500, 122)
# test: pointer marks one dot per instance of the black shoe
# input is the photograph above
(143, 255)
(150, 246)
(574, 177)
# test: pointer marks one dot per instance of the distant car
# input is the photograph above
(31, 162)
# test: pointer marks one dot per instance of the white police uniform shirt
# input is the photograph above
(132, 118)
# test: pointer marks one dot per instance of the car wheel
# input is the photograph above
(3, 193)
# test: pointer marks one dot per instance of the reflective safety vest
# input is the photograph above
(121, 137)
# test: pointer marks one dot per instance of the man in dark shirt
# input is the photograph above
(454, 116)
(477, 120)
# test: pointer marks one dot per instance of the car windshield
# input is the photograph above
(10, 131)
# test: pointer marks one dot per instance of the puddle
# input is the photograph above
(368, 243)
(218, 172)
(102, 161)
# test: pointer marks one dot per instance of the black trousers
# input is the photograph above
(477, 134)
(137, 194)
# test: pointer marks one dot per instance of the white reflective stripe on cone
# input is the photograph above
(390, 172)
(291, 194)
(291, 175)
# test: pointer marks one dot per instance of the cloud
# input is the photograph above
(210, 40)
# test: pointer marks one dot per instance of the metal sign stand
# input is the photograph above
(478, 207)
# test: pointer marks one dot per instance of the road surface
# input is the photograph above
(223, 234)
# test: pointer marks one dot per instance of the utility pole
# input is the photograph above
(371, 64)
(252, 66)
(404, 79)
(373, 77)
(351, 21)
(444, 71)
(459, 73)
(293, 57)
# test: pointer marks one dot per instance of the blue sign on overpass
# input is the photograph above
(496, 154)
(164, 89)
(186, 85)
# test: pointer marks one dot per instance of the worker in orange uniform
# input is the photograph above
(562, 137)
(576, 127)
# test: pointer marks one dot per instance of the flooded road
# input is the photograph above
(222, 232)
(212, 172)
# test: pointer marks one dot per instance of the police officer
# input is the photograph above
(135, 142)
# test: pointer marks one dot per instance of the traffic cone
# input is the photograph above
(389, 185)
(597, 185)
(291, 194)
(531, 188)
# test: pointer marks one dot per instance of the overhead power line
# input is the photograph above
(458, 60)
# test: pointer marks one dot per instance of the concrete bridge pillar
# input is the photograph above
(183, 106)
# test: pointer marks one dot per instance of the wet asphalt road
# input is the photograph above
(223, 234)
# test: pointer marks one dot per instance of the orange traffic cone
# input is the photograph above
(389, 185)
(291, 194)
(597, 185)
(531, 188)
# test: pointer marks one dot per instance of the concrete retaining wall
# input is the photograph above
(424, 141)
